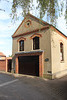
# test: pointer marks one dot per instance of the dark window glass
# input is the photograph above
(61, 52)
(21, 45)
(35, 43)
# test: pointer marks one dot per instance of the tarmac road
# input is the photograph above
(32, 88)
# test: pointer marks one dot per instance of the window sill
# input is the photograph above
(36, 50)
(21, 51)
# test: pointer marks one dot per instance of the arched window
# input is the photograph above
(21, 45)
(35, 43)
(61, 52)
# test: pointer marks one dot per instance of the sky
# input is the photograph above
(7, 28)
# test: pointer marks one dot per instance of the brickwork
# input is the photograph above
(36, 34)
(31, 54)
(16, 66)
(3, 65)
(4, 62)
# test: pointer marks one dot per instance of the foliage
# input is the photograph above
(24, 4)
(10, 55)
(52, 8)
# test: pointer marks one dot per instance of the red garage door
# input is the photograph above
(2, 65)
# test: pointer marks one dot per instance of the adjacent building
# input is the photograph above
(39, 49)
(2, 62)
(5, 63)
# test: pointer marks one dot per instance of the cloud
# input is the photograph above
(6, 27)
(4, 35)
(4, 16)
(6, 46)
(6, 51)
(61, 25)
(2, 42)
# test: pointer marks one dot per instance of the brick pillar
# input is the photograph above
(6, 65)
(16, 66)
(40, 65)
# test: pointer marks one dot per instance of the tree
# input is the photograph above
(10, 55)
(52, 8)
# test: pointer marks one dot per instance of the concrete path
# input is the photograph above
(32, 88)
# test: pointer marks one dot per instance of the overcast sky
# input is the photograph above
(7, 28)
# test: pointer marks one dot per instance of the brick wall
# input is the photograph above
(2, 65)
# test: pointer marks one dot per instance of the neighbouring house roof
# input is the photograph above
(1, 54)
(45, 27)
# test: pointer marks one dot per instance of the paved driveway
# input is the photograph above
(32, 88)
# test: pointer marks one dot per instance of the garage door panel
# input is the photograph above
(28, 68)
(29, 65)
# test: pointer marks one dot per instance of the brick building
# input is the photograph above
(39, 49)
(5, 63)
(2, 62)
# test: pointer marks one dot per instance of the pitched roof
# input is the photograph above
(47, 26)
(1, 54)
